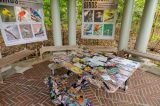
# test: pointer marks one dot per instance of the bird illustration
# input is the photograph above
(21, 14)
(35, 13)
(96, 28)
(39, 31)
(26, 31)
(6, 12)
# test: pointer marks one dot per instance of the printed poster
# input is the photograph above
(99, 19)
(21, 22)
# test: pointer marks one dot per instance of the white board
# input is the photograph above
(99, 19)
(22, 22)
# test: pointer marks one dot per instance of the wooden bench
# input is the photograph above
(145, 55)
(8, 60)
(56, 49)
(102, 49)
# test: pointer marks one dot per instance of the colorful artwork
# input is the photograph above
(23, 14)
(26, 31)
(109, 15)
(108, 29)
(88, 15)
(7, 13)
(99, 19)
(22, 23)
(98, 16)
(36, 14)
(88, 29)
(97, 29)
(11, 32)
(38, 30)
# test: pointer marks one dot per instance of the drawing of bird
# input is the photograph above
(6, 12)
(26, 31)
(21, 14)
(39, 31)
(35, 13)
(96, 28)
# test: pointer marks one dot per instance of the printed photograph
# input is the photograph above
(109, 15)
(88, 28)
(108, 29)
(97, 29)
(26, 31)
(12, 32)
(98, 15)
(7, 13)
(88, 15)
(38, 30)
(36, 14)
(23, 14)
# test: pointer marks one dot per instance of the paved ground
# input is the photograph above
(28, 90)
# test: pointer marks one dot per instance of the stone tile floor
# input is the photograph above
(28, 90)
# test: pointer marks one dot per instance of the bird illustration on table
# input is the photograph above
(6, 12)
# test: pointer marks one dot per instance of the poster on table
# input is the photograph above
(99, 19)
(21, 21)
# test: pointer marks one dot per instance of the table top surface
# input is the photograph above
(108, 69)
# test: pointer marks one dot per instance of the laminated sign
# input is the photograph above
(21, 21)
(99, 19)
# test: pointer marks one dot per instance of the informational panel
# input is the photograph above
(21, 21)
(99, 19)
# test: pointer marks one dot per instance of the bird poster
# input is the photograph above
(97, 29)
(88, 15)
(99, 19)
(26, 31)
(7, 13)
(36, 14)
(88, 29)
(11, 32)
(23, 14)
(38, 30)
(22, 23)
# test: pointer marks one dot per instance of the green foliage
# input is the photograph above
(138, 10)
(155, 37)
(47, 13)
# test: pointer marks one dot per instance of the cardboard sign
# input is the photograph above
(99, 19)
(22, 22)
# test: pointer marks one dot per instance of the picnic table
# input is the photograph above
(104, 71)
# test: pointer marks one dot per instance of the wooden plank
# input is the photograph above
(145, 55)
(15, 57)
(56, 49)
(101, 48)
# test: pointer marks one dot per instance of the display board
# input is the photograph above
(99, 19)
(21, 21)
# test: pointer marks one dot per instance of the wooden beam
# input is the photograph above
(56, 49)
(15, 57)
(145, 55)
(102, 48)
